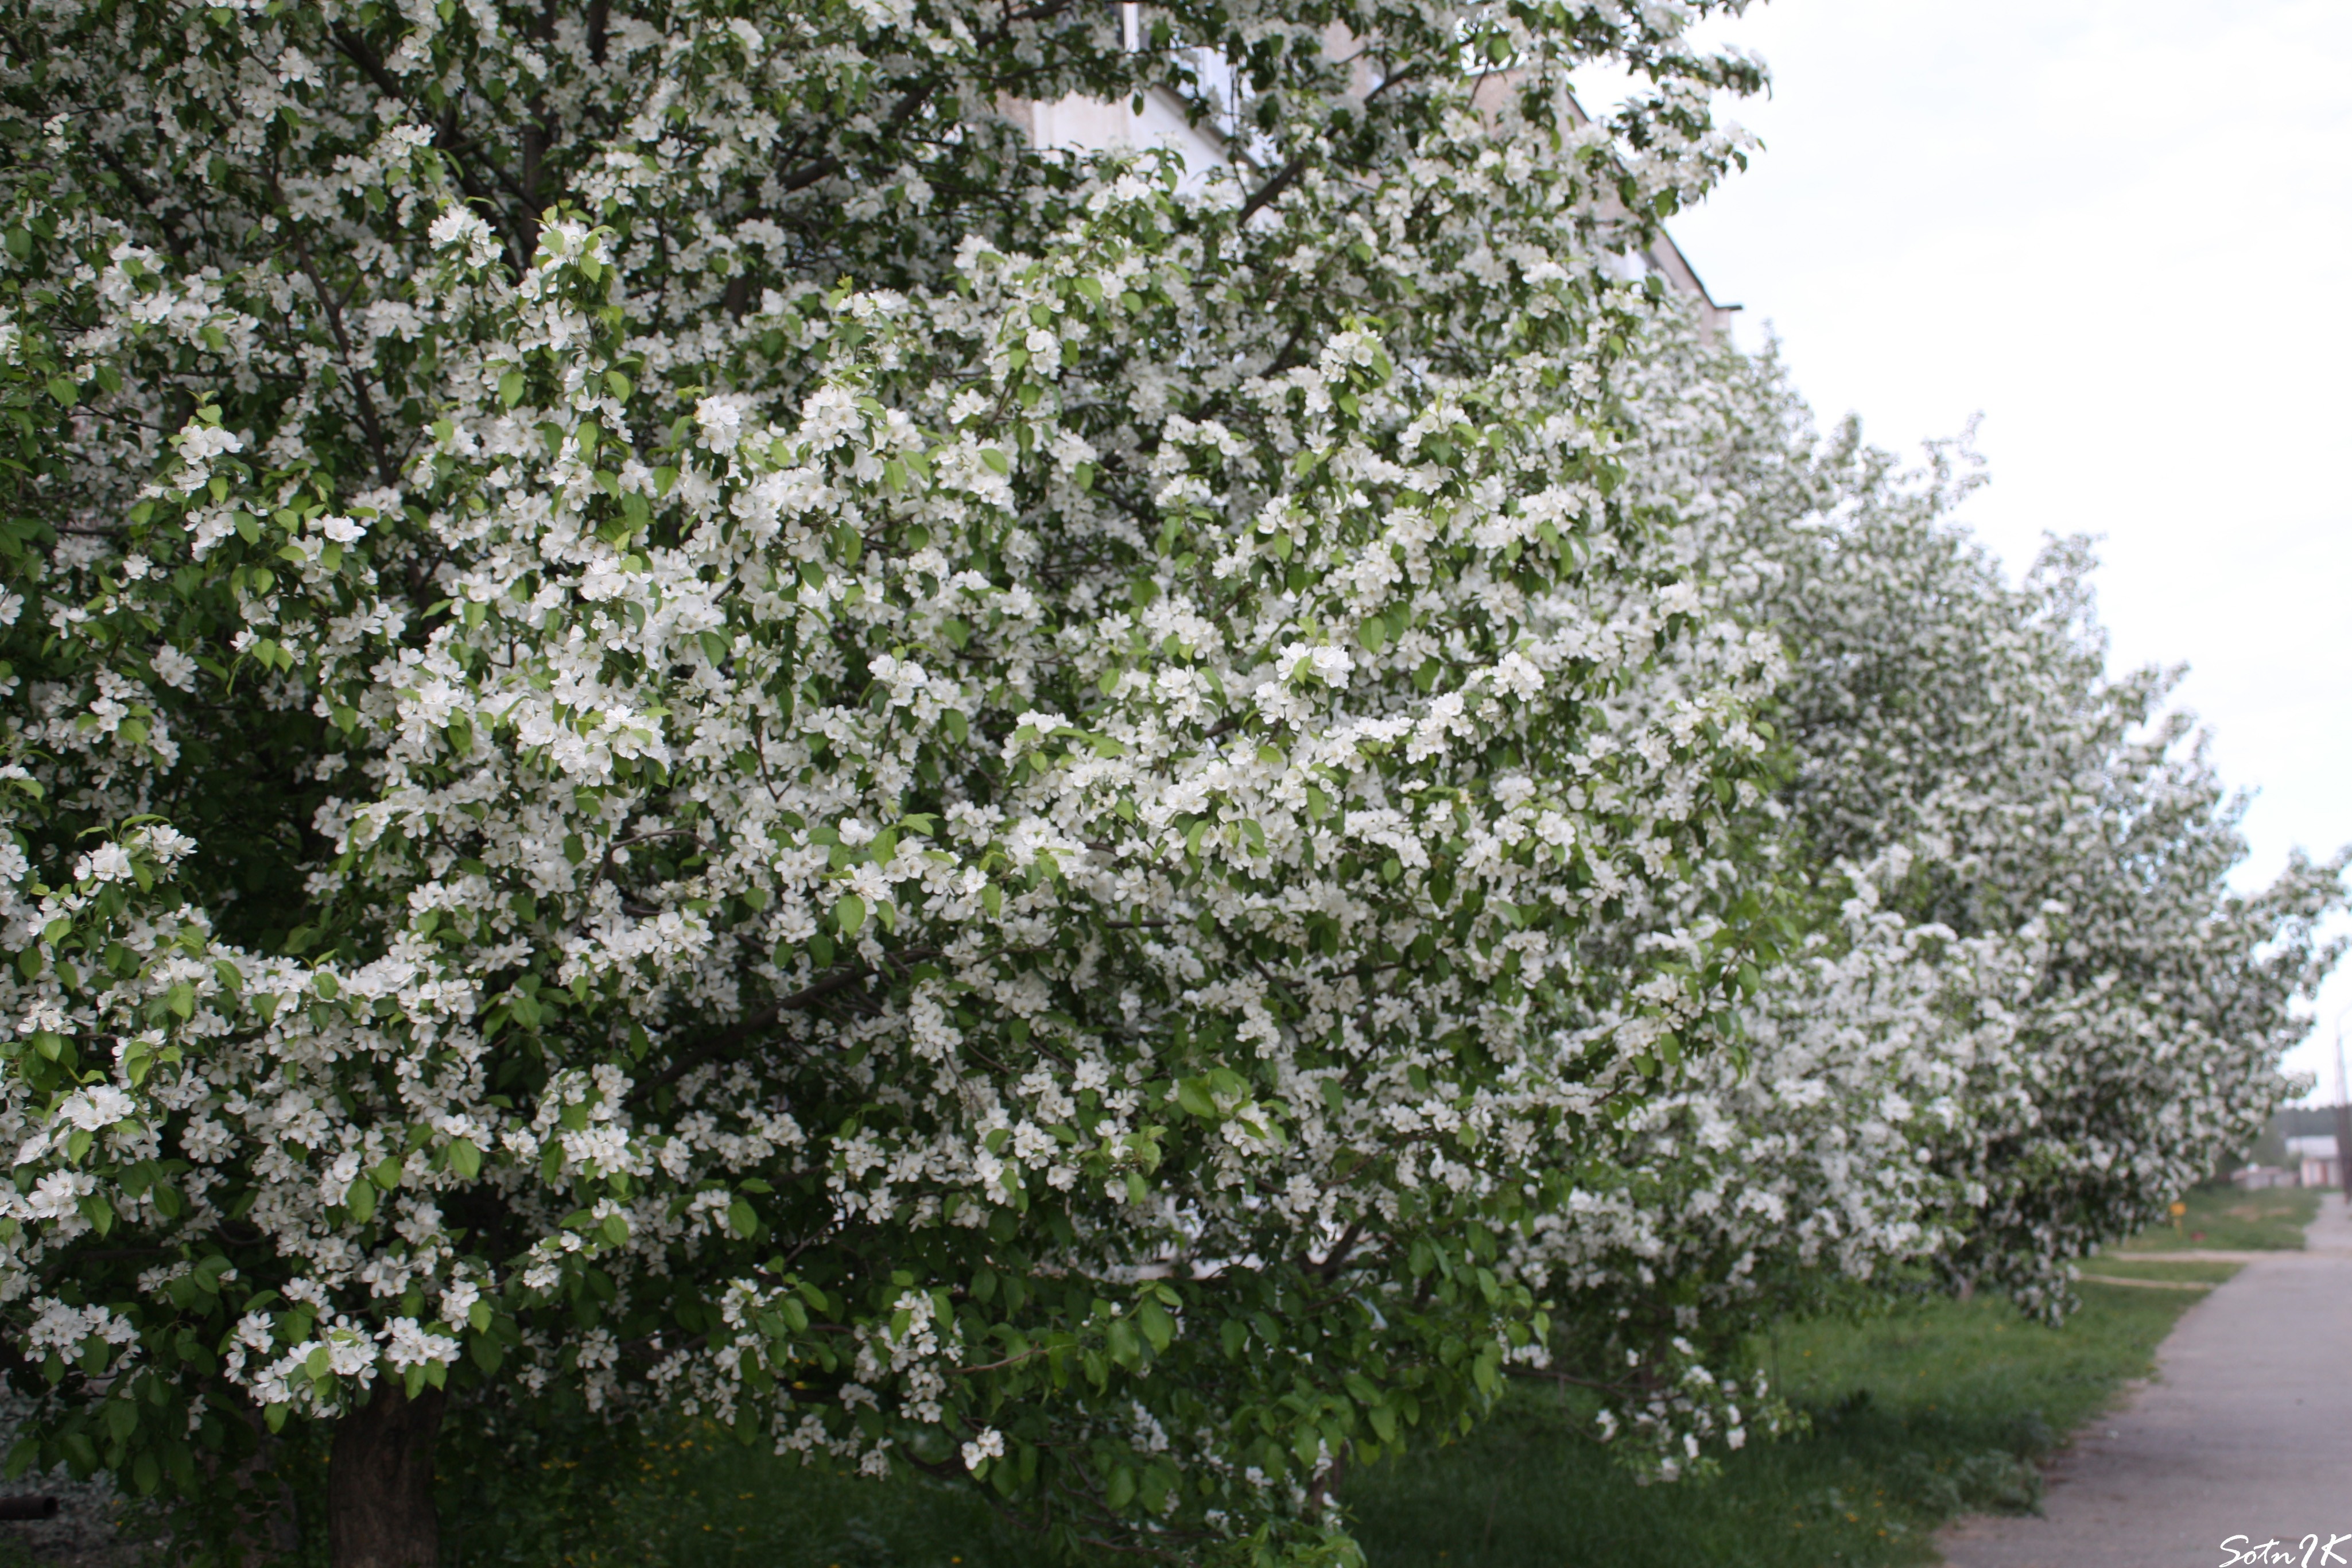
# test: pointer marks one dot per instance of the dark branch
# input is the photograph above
(809, 173)
(354, 48)
(1273, 187)
(387, 474)
(799, 1000)
(1284, 176)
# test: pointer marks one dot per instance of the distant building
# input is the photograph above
(2316, 1156)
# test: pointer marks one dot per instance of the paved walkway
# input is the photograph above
(2246, 1431)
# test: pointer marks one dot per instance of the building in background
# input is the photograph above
(2317, 1159)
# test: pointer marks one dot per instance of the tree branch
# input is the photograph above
(799, 1000)
(906, 107)
(1273, 187)
(386, 473)
(354, 48)
(1283, 177)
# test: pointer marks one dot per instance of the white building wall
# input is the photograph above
(1090, 125)
(2319, 1159)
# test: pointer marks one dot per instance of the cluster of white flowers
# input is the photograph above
(2039, 1013)
(805, 765)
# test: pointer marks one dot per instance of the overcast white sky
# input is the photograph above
(2121, 230)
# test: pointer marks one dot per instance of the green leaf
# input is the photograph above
(510, 387)
(849, 915)
(1158, 1326)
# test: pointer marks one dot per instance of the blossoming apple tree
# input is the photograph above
(2027, 1007)
(687, 728)
(685, 724)
(1970, 722)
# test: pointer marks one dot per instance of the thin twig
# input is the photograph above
(1001, 1365)
(386, 474)
(799, 1000)
(354, 48)
(905, 110)
(1289, 171)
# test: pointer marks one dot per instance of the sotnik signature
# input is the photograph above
(2306, 1553)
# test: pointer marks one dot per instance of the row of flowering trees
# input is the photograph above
(684, 725)
(2020, 1006)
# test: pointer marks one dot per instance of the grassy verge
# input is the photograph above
(2228, 1220)
(1932, 1411)
(704, 1500)
(1928, 1411)
(2156, 1268)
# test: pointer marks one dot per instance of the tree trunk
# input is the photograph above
(380, 1510)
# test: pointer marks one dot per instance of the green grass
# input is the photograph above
(2156, 1266)
(2227, 1220)
(704, 1500)
(1934, 1410)
(729, 1517)
(1928, 1410)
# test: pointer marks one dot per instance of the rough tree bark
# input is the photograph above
(380, 1510)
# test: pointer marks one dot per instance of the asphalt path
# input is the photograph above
(2238, 1452)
